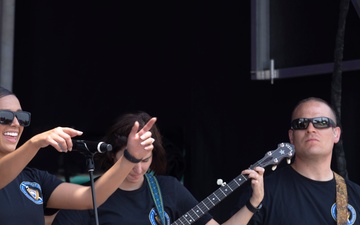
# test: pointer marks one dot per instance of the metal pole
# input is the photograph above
(7, 14)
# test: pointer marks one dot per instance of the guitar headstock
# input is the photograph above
(274, 157)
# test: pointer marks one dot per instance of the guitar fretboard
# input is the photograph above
(208, 203)
(284, 150)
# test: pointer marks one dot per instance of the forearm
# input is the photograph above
(111, 179)
(81, 198)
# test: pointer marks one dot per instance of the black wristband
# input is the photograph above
(131, 158)
(252, 208)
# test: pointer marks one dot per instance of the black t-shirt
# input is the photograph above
(291, 198)
(23, 200)
(136, 207)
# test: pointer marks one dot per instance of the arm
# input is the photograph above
(13, 163)
(72, 196)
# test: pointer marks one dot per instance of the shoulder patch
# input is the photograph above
(32, 191)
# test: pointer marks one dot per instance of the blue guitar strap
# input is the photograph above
(156, 194)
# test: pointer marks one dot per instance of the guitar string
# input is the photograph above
(213, 199)
(199, 210)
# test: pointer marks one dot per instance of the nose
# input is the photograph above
(138, 168)
(310, 127)
(15, 121)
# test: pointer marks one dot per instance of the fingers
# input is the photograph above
(146, 135)
(148, 126)
(255, 172)
(256, 175)
(257, 183)
(70, 133)
(260, 170)
(148, 144)
(134, 129)
(60, 138)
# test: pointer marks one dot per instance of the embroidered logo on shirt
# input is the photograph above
(32, 191)
(351, 211)
(155, 219)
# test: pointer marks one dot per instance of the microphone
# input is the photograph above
(90, 147)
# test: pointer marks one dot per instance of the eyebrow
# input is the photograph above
(147, 158)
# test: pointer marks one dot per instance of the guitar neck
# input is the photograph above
(284, 150)
(212, 200)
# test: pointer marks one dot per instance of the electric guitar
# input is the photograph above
(284, 150)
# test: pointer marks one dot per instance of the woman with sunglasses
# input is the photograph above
(25, 192)
(133, 203)
(306, 192)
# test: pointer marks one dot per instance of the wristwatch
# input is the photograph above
(252, 208)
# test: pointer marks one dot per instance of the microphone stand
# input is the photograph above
(91, 168)
(83, 148)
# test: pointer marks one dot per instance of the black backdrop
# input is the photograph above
(82, 63)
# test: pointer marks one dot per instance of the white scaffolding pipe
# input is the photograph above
(7, 18)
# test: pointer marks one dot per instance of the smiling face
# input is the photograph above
(10, 133)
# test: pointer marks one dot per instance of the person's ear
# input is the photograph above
(335, 133)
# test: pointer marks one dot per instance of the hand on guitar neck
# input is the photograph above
(284, 150)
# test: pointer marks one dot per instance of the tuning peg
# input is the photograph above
(220, 182)
(274, 167)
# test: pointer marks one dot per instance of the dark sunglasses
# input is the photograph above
(318, 122)
(7, 117)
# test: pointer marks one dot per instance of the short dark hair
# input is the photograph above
(313, 99)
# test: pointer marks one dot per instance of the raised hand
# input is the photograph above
(140, 142)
